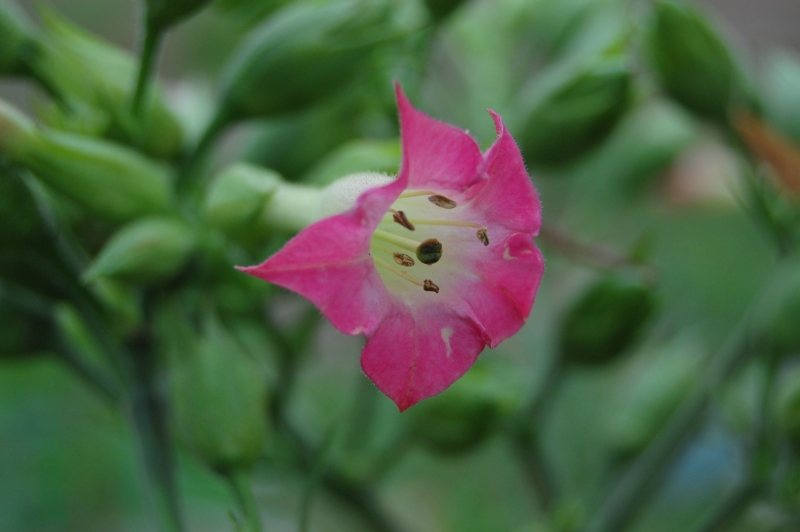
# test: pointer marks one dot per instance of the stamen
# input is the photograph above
(443, 202)
(430, 286)
(446, 222)
(482, 236)
(429, 252)
(415, 193)
(404, 275)
(402, 242)
(403, 260)
(401, 218)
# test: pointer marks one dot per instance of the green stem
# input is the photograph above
(640, 481)
(190, 173)
(150, 46)
(731, 509)
(242, 488)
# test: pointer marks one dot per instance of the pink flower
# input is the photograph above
(432, 266)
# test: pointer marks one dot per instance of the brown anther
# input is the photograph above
(483, 236)
(441, 201)
(403, 260)
(430, 286)
(401, 218)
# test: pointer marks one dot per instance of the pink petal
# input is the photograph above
(502, 293)
(415, 354)
(435, 155)
(329, 264)
(508, 196)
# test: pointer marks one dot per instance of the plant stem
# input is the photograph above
(242, 489)
(731, 509)
(150, 46)
(191, 171)
(645, 474)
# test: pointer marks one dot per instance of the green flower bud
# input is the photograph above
(17, 42)
(238, 195)
(571, 110)
(605, 322)
(106, 179)
(165, 13)
(355, 157)
(220, 401)
(462, 416)
(693, 62)
(441, 9)
(93, 80)
(303, 54)
(147, 250)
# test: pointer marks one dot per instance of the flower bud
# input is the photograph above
(605, 321)
(147, 250)
(165, 13)
(441, 9)
(303, 54)
(355, 157)
(220, 401)
(106, 179)
(93, 81)
(16, 39)
(463, 416)
(238, 195)
(571, 110)
(693, 62)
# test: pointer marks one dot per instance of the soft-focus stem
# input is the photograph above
(150, 46)
(190, 173)
(242, 488)
(636, 486)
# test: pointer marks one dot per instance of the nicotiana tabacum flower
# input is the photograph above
(431, 266)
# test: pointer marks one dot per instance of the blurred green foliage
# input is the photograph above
(145, 384)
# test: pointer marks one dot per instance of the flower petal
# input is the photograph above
(508, 195)
(329, 264)
(503, 290)
(415, 354)
(436, 155)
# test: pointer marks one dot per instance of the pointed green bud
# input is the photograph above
(694, 63)
(355, 157)
(94, 80)
(165, 13)
(571, 109)
(147, 250)
(17, 41)
(305, 53)
(238, 195)
(220, 401)
(462, 416)
(605, 321)
(106, 179)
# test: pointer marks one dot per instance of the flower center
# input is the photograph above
(405, 261)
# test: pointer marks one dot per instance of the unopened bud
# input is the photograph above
(220, 401)
(17, 42)
(693, 62)
(165, 13)
(605, 322)
(107, 179)
(355, 157)
(303, 54)
(239, 194)
(94, 80)
(462, 416)
(147, 250)
(571, 110)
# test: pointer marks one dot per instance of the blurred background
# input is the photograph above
(654, 388)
